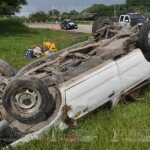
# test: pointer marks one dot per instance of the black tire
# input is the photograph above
(65, 28)
(7, 133)
(144, 40)
(99, 23)
(31, 65)
(32, 109)
(94, 27)
(6, 70)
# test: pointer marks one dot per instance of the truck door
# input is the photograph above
(121, 20)
(124, 21)
(133, 69)
(127, 21)
(94, 89)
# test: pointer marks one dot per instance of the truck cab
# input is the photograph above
(131, 19)
(124, 21)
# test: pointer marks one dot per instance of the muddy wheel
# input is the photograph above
(144, 40)
(28, 100)
(7, 133)
(65, 28)
(94, 27)
(6, 70)
(99, 23)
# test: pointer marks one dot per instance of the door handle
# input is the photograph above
(112, 94)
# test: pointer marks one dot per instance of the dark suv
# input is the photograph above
(68, 24)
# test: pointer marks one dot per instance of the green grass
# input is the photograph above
(123, 128)
(15, 39)
(103, 129)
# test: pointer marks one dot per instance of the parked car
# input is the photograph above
(79, 79)
(68, 24)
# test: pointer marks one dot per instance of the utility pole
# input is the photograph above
(115, 11)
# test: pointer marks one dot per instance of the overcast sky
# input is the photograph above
(62, 5)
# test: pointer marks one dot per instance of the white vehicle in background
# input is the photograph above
(57, 91)
(131, 19)
(126, 20)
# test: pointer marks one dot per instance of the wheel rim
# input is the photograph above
(26, 101)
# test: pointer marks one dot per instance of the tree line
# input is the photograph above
(9, 7)
(93, 12)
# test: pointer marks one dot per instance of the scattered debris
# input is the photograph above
(48, 48)
(37, 51)
(29, 54)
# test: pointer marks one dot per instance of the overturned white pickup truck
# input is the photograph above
(58, 90)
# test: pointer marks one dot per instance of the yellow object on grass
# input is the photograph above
(49, 45)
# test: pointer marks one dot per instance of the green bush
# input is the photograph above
(12, 26)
